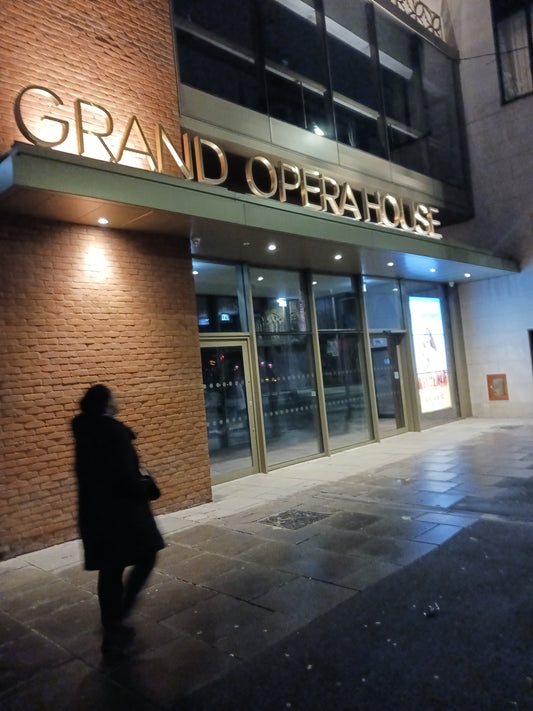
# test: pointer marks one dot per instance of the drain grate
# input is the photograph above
(293, 519)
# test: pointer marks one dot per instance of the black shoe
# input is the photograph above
(117, 638)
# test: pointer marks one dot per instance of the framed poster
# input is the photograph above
(430, 353)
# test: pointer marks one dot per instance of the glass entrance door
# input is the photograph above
(228, 409)
(387, 382)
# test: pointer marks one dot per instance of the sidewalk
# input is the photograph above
(278, 561)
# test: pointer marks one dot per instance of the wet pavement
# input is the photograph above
(276, 559)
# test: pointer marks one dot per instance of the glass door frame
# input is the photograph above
(401, 338)
(228, 341)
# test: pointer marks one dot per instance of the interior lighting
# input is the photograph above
(433, 270)
(315, 283)
(195, 272)
(318, 130)
(390, 264)
(282, 302)
(337, 257)
(468, 275)
(260, 278)
(103, 221)
(272, 247)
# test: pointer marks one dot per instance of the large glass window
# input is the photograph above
(279, 302)
(512, 33)
(296, 68)
(353, 75)
(342, 359)
(400, 61)
(288, 394)
(336, 303)
(286, 366)
(217, 50)
(219, 297)
(383, 304)
(318, 66)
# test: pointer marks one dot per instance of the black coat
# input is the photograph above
(115, 520)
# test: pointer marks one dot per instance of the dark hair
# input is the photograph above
(95, 400)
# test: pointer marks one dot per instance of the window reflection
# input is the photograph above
(288, 394)
(336, 303)
(286, 365)
(342, 359)
(345, 392)
(383, 304)
(279, 304)
(219, 297)
(228, 430)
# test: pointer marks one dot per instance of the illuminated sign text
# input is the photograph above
(92, 132)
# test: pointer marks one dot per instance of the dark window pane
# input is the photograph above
(443, 117)
(352, 73)
(292, 39)
(285, 100)
(383, 304)
(219, 297)
(231, 19)
(357, 130)
(400, 68)
(210, 69)
(336, 302)
(409, 150)
(291, 102)
(512, 43)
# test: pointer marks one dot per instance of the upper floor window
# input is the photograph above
(512, 33)
(343, 70)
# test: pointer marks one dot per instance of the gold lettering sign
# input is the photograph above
(39, 115)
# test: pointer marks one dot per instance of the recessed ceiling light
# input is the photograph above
(260, 278)
(195, 272)
(245, 244)
(468, 275)
(337, 256)
(433, 270)
(390, 264)
(272, 247)
(103, 221)
(315, 283)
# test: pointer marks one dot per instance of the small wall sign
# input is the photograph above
(497, 385)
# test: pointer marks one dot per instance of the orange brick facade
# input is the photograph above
(80, 305)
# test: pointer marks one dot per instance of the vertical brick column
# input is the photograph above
(81, 305)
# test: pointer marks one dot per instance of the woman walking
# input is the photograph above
(116, 523)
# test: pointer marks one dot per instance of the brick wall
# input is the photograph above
(80, 305)
(118, 54)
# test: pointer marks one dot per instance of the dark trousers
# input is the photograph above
(117, 596)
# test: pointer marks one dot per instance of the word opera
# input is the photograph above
(307, 187)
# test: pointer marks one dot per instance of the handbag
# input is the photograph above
(149, 485)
